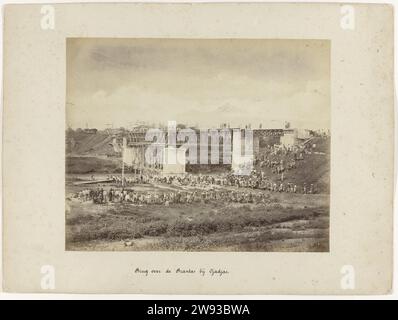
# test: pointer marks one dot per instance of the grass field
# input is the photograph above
(288, 222)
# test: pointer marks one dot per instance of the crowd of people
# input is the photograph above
(281, 159)
(253, 181)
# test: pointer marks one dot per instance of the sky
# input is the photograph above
(119, 82)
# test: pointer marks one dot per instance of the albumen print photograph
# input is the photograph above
(197, 145)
